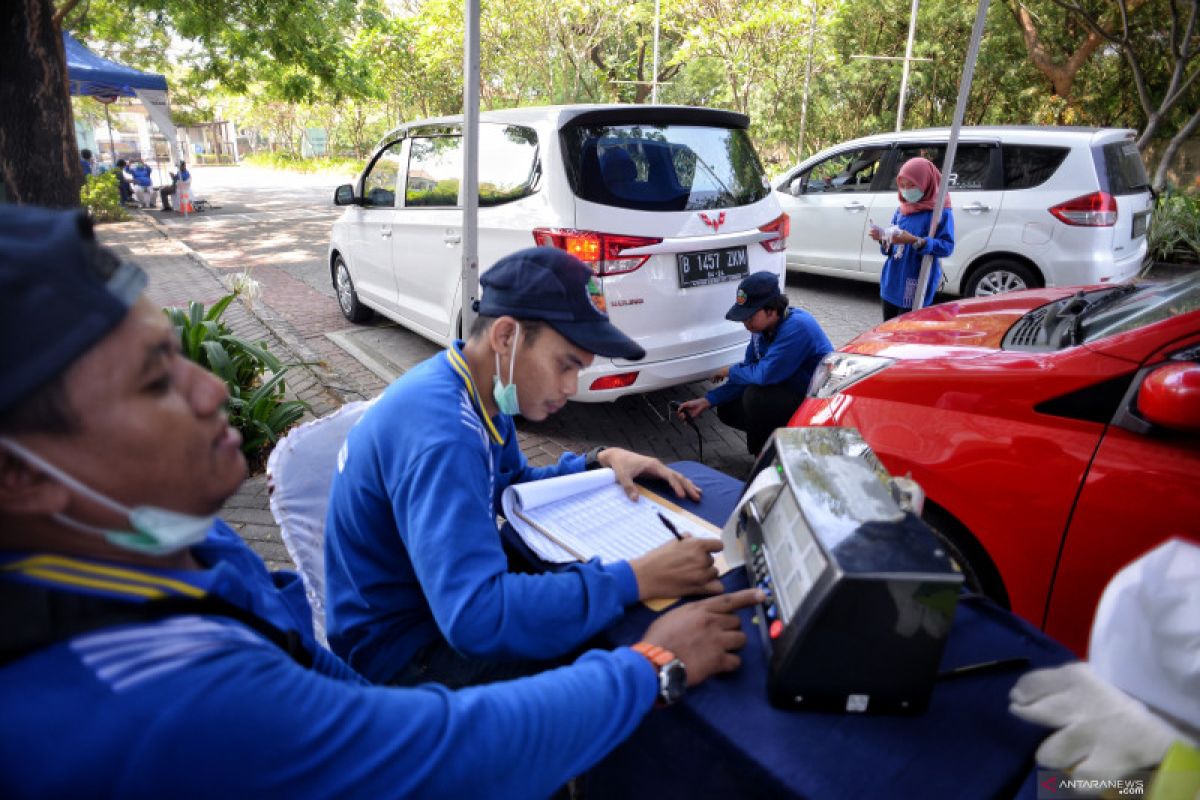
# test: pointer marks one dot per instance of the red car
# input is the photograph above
(1056, 432)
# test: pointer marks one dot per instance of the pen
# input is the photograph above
(985, 666)
(670, 526)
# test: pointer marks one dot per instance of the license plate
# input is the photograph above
(1140, 223)
(712, 266)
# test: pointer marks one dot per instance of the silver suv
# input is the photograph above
(1033, 206)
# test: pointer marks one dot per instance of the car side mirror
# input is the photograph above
(344, 195)
(1170, 397)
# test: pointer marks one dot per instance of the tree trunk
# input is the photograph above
(1164, 163)
(38, 155)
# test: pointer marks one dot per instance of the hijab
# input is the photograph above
(926, 177)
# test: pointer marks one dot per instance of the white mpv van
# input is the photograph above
(1033, 206)
(668, 205)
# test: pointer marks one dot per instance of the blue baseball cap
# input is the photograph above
(60, 294)
(752, 294)
(551, 285)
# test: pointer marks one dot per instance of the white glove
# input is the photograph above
(1103, 734)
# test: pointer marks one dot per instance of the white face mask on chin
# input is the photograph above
(156, 531)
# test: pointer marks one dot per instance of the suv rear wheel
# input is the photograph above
(352, 307)
(1000, 276)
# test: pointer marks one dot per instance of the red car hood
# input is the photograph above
(964, 328)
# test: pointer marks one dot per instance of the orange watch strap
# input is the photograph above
(658, 656)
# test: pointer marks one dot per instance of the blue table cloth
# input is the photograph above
(725, 741)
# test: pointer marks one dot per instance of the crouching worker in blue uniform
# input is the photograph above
(146, 652)
(786, 344)
(418, 586)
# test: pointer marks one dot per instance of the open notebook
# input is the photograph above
(588, 515)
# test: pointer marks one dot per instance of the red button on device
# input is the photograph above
(775, 629)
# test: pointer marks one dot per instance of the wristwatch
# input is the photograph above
(592, 459)
(672, 674)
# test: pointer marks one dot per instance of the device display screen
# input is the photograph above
(793, 556)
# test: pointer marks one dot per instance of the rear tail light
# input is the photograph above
(781, 226)
(600, 251)
(618, 381)
(1095, 210)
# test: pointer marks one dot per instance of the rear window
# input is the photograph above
(663, 167)
(1027, 166)
(1124, 168)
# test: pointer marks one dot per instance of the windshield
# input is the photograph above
(663, 167)
(1152, 303)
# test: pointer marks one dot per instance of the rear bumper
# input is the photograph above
(655, 375)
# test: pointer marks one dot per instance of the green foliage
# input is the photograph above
(255, 377)
(101, 197)
(288, 161)
(1174, 233)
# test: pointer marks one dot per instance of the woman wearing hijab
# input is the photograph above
(907, 241)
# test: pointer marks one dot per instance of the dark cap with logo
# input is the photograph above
(551, 285)
(60, 294)
(752, 294)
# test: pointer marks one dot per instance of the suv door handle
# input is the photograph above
(385, 232)
(977, 206)
(452, 238)
(854, 206)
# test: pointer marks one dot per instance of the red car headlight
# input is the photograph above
(837, 371)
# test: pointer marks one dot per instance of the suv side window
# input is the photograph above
(850, 171)
(973, 169)
(379, 184)
(434, 172)
(509, 167)
(1029, 165)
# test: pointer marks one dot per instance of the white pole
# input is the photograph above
(654, 77)
(812, 40)
(912, 32)
(469, 291)
(964, 90)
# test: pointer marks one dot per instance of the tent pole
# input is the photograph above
(964, 91)
(112, 147)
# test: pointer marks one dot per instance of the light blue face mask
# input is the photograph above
(506, 396)
(912, 194)
(156, 531)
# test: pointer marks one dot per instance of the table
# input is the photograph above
(724, 740)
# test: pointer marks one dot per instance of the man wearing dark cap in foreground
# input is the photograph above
(418, 586)
(762, 392)
(145, 651)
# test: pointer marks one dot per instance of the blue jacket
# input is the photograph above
(786, 358)
(141, 175)
(898, 283)
(202, 706)
(411, 545)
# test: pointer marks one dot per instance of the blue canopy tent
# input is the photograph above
(92, 76)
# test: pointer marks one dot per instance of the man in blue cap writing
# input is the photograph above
(418, 585)
(145, 651)
(762, 392)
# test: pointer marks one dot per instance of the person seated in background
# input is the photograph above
(145, 651)
(182, 175)
(143, 184)
(418, 585)
(85, 162)
(123, 186)
(762, 392)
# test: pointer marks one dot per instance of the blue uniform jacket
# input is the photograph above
(788, 358)
(898, 283)
(411, 544)
(142, 175)
(204, 707)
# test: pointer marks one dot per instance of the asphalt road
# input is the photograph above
(276, 225)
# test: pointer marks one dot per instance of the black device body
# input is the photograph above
(861, 594)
